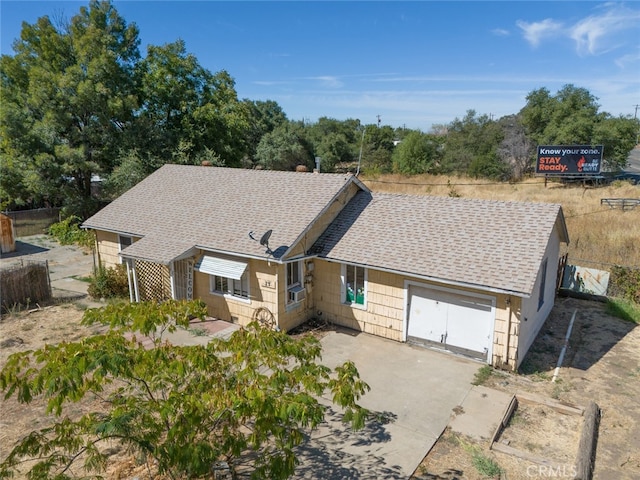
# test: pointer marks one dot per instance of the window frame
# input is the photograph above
(122, 246)
(543, 283)
(294, 284)
(344, 275)
(230, 286)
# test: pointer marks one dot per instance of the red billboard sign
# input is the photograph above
(569, 159)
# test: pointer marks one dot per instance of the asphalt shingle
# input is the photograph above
(483, 243)
(181, 206)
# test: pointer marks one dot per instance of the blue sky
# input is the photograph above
(413, 63)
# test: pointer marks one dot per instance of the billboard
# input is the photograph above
(569, 159)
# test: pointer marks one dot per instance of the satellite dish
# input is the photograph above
(264, 240)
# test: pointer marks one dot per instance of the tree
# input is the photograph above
(377, 148)
(67, 97)
(417, 153)
(264, 117)
(334, 141)
(516, 149)
(284, 148)
(249, 398)
(618, 135)
(471, 146)
(572, 117)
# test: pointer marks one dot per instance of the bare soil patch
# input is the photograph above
(602, 364)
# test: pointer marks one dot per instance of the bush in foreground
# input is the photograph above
(247, 400)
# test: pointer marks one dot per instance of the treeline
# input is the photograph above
(79, 103)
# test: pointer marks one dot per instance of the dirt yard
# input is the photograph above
(602, 364)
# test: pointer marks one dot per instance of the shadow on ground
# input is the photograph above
(593, 335)
(25, 248)
(328, 453)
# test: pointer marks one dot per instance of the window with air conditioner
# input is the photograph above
(295, 287)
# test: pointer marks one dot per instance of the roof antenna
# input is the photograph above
(264, 240)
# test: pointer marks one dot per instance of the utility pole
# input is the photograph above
(635, 115)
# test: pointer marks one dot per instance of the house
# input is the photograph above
(472, 276)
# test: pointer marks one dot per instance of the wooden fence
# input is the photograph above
(24, 285)
(33, 222)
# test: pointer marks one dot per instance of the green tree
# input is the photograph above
(246, 399)
(284, 148)
(67, 97)
(571, 117)
(377, 149)
(471, 146)
(618, 135)
(334, 141)
(264, 117)
(417, 153)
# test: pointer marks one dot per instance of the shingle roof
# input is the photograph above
(179, 206)
(482, 243)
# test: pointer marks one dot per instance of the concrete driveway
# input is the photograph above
(414, 391)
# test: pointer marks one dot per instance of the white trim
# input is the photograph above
(405, 320)
(343, 286)
(172, 283)
(120, 237)
(221, 267)
(427, 278)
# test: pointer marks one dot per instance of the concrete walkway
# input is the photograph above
(413, 391)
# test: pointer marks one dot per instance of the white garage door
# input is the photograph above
(455, 321)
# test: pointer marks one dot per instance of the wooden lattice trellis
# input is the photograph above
(154, 282)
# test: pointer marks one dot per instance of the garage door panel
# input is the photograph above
(427, 318)
(456, 320)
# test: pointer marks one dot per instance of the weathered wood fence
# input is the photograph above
(25, 284)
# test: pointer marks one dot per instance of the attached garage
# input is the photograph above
(454, 320)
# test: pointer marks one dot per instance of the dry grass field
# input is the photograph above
(597, 233)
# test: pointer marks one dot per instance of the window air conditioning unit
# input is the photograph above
(297, 294)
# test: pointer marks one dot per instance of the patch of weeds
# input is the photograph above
(517, 419)
(82, 278)
(624, 309)
(540, 376)
(482, 375)
(198, 332)
(484, 464)
(559, 388)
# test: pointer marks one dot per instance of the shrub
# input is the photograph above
(109, 283)
(68, 232)
(625, 283)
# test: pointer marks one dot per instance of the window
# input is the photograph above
(229, 286)
(124, 242)
(543, 278)
(295, 289)
(354, 284)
